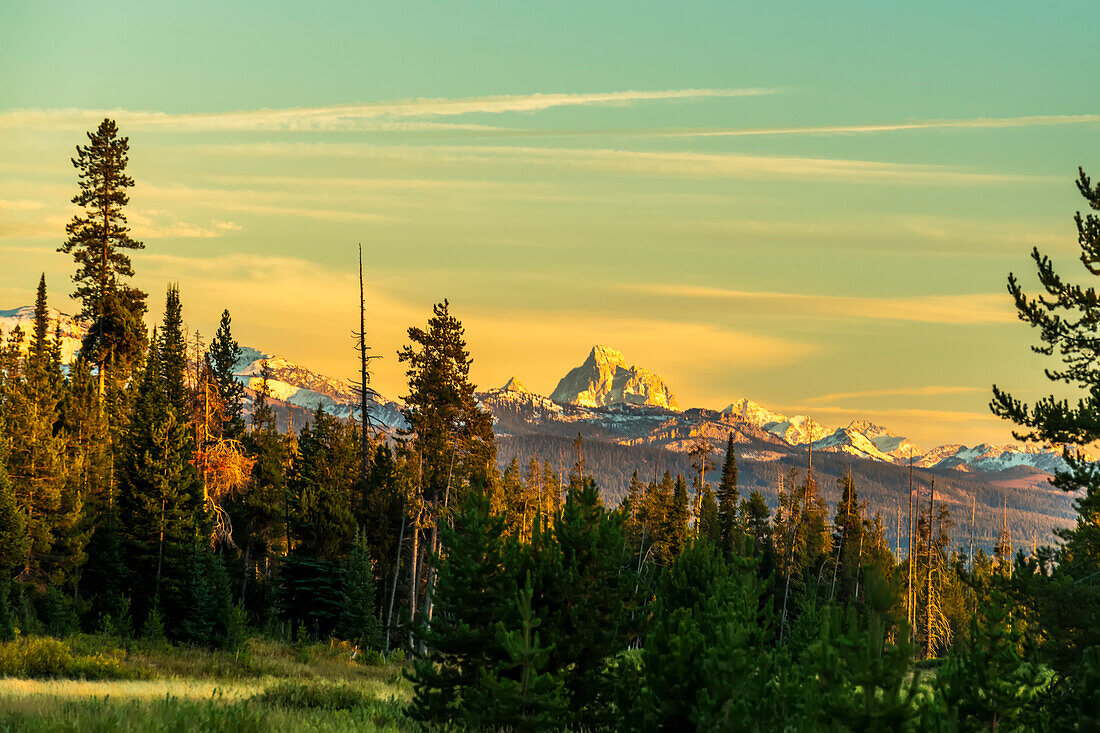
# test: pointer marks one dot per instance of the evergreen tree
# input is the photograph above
(847, 542)
(705, 661)
(475, 587)
(728, 501)
(986, 683)
(223, 355)
(98, 240)
(450, 434)
(1064, 318)
(160, 497)
(677, 518)
(173, 354)
(319, 517)
(35, 461)
(530, 698)
(453, 435)
(756, 517)
(855, 677)
(586, 594)
(709, 518)
(14, 540)
(359, 621)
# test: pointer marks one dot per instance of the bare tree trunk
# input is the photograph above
(364, 446)
(396, 572)
(247, 569)
(928, 600)
(910, 617)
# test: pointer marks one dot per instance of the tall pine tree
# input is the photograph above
(99, 238)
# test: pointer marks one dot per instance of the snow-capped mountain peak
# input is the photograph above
(605, 379)
(514, 385)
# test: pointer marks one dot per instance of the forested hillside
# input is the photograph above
(537, 581)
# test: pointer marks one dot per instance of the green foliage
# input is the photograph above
(314, 695)
(160, 497)
(39, 657)
(310, 594)
(709, 525)
(473, 588)
(856, 678)
(519, 694)
(728, 501)
(222, 357)
(319, 513)
(13, 521)
(359, 618)
(7, 618)
(453, 434)
(989, 680)
(705, 661)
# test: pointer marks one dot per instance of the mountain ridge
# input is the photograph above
(621, 402)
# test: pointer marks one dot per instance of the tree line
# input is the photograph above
(139, 497)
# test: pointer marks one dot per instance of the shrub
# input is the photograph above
(44, 657)
(314, 695)
(35, 657)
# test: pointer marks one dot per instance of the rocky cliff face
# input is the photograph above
(606, 379)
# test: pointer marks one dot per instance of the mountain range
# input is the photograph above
(629, 418)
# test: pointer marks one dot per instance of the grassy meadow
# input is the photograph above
(96, 683)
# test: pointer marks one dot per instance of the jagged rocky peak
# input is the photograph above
(514, 385)
(752, 412)
(605, 378)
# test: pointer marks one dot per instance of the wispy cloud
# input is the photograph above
(974, 123)
(928, 391)
(381, 116)
(20, 205)
(161, 225)
(635, 162)
(975, 308)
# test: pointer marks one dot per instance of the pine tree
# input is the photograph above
(709, 518)
(986, 683)
(451, 435)
(98, 240)
(223, 355)
(475, 586)
(320, 519)
(706, 666)
(856, 678)
(756, 517)
(728, 501)
(35, 461)
(173, 354)
(587, 596)
(160, 496)
(520, 694)
(677, 518)
(359, 621)
(847, 542)
(14, 540)
(1065, 320)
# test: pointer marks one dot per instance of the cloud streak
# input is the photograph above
(977, 123)
(978, 308)
(378, 116)
(635, 162)
(928, 391)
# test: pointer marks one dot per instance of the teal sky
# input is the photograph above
(813, 205)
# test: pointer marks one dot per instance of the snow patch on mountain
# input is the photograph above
(296, 385)
(71, 328)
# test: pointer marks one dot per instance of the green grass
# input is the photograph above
(267, 686)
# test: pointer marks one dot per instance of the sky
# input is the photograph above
(812, 205)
